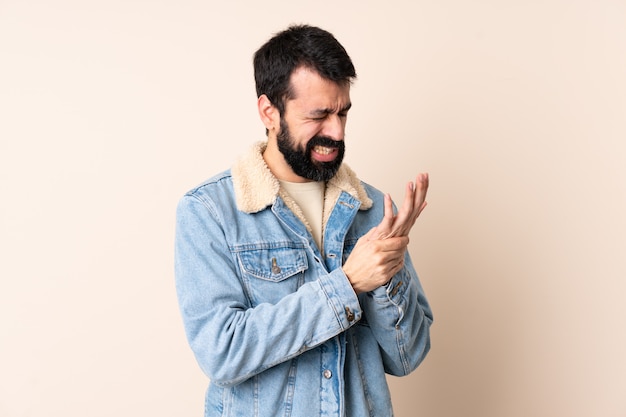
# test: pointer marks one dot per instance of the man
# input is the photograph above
(293, 277)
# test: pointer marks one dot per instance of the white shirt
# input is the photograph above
(309, 196)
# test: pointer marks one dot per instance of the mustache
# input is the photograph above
(324, 141)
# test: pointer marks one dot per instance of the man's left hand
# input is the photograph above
(400, 224)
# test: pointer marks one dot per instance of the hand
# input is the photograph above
(373, 262)
(401, 223)
(379, 254)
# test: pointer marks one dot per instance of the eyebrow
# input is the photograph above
(322, 112)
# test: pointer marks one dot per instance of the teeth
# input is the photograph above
(323, 150)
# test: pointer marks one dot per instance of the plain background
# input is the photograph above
(111, 110)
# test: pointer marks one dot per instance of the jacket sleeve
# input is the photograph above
(231, 340)
(400, 318)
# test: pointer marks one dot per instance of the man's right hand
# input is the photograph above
(373, 261)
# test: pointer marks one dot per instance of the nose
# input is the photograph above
(334, 127)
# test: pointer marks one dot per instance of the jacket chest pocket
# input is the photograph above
(271, 274)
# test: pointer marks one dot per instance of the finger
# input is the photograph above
(384, 228)
(407, 205)
(422, 207)
(405, 213)
(398, 267)
(396, 263)
(421, 183)
(394, 244)
(413, 205)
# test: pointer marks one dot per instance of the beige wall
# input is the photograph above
(110, 110)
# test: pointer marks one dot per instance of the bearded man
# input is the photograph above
(295, 285)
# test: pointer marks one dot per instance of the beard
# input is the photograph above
(300, 160)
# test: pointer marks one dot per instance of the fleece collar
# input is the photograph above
(256, 187)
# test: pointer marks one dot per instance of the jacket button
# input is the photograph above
(349, 314)
(275, 267)
(328, 374)
(395, 289)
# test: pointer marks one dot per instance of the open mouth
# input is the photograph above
(324, 153)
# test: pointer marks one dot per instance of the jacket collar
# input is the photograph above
(256, 187)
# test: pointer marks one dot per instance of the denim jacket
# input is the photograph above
(272, 320)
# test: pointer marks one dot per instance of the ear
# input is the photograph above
(268, 113)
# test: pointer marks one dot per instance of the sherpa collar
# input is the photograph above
(256, 187)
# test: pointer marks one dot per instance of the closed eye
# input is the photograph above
(322, 114)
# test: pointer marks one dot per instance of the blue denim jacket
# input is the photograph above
(272, 320)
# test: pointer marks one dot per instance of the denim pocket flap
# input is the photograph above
(274, 264)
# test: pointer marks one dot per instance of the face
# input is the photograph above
(311, 135)
(319, 161)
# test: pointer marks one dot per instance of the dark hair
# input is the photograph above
(299, 46)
